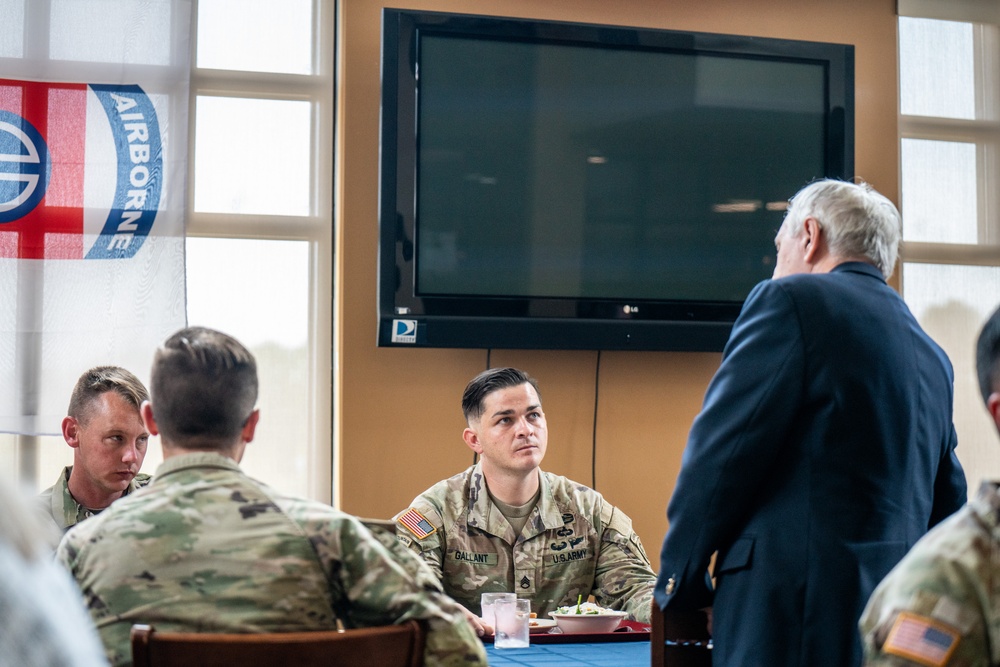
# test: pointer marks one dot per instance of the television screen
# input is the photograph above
(556, 185)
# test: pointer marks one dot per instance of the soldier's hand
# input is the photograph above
(481, 629)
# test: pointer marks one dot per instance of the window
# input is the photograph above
(259, 223)
(949, 131)
(259, 249)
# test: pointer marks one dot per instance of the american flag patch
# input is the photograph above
(415, 522)
(921, 639)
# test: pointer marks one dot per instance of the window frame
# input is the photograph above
(976, 433)
(316, 228)
(983, 132)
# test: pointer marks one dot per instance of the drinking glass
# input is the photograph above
(487, 602)
(513, 618)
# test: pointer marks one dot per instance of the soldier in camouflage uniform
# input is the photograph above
(105, 430)
(204, 548)
(59, 505)
(504, 525)
(939, 606)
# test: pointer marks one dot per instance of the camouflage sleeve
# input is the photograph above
(429, 547)
(422, 574)
(374, 583)
(624, 578)
(67, 550)
(939, 603)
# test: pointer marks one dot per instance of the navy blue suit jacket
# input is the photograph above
(824, 450)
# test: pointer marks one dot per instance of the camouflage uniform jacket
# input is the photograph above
(204, 548)
(57, 502)
(574, 543)
(941, 604)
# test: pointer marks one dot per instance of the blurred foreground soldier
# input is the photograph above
(105, 430)
(940, 605)
(503, 525)
(824, 449)
(42, 619)
(204, 548)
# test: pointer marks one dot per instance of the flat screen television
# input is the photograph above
(551, 185)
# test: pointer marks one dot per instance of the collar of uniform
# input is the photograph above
(195, 460)
(550, 513)
(986, 505)
(484, 515)
(66, 506)
(63, 503)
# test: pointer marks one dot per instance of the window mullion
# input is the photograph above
(242, 225)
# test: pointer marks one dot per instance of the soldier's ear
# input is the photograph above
(250, 426)
(146, 412)
(472, 440)
(71, 431)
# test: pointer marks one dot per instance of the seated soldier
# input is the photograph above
(504, 525)
(109, 440)
(204, 548)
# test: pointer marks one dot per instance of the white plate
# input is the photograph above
(541, 625)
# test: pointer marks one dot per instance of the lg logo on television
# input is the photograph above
(404, 331)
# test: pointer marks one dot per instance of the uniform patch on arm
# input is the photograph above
(921, 639)
(415, 522)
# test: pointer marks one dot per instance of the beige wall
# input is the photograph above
(397, 418)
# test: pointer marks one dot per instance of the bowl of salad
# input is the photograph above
(587, 617)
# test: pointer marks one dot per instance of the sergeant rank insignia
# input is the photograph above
(415, 522)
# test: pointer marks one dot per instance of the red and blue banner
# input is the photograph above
(44, 130)
(94, 104)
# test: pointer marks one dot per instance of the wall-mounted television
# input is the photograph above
(551, 185)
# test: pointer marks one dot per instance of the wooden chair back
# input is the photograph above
(679, 639)
(389, 646)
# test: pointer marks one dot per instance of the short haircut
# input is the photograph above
(100, 380)
(204, 388)
(488, 382)
(857, 220)
(988, 356)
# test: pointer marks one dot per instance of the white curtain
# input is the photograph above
(93, 163)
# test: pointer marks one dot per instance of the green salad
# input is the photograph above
(584, 608)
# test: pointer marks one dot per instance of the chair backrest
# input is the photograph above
(389, 646)
(679, 639)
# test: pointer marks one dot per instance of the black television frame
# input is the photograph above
(407, 320)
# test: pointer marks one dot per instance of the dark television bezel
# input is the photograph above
(581, 324)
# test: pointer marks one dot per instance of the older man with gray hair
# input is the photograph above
(824, 449)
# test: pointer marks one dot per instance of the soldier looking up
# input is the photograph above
(204, 548)
(503, 525)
